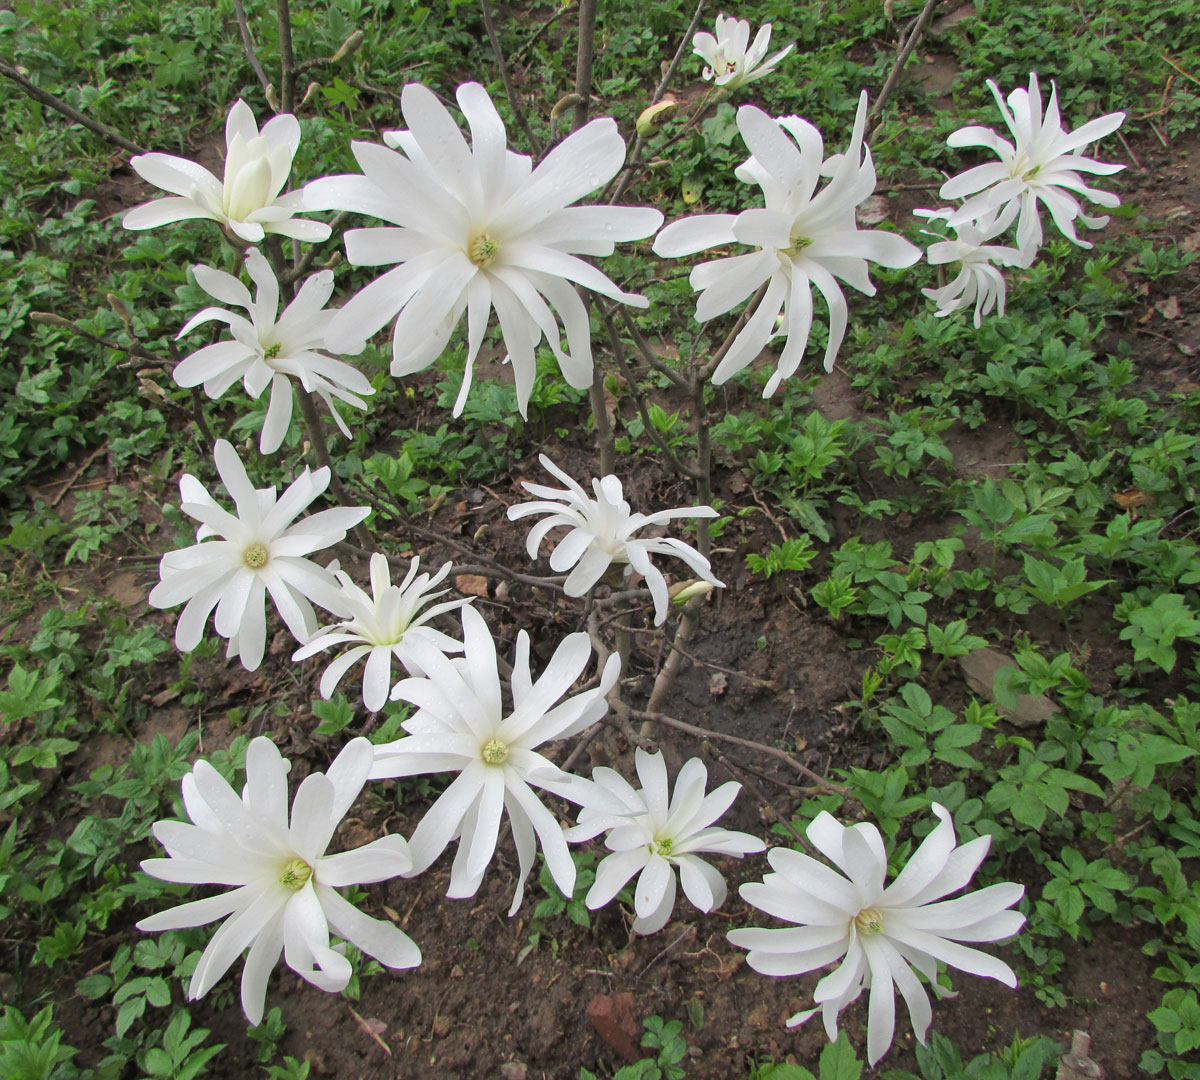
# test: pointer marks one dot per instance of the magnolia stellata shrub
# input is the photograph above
(472, 227)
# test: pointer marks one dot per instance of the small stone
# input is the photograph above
(612, 1017)
(441, 1026)
(513, 1070)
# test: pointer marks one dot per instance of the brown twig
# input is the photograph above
(585, 54)
(287, 58)
(305, 264)
(71, 113)
(705, 733)
(902, 56)
(514, 101)
(540, 32)
(239, 9)
(635, 155)
(640, 399)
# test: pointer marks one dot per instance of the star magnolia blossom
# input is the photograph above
(979, 280)
(286, 898)
(266, 352)
(248, 203)
(383, 625)
(804, 238)
(653, 837)
(260, 551)
(728, 58)
(880, 934)
(476, 227)
(460, 727)
(1041, 167)
(602, 534)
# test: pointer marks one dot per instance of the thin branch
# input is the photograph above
(906, 49)
(635, 155)
(705, 733)
(666, 676)
(585, 54)
(640, 399)
(132, 349)
(707, 371)
(553, 583)
(305, 264)
(56, 103)
(506, 75)
(239, 9)
(287, 58)
(643, 346)
(540, 32)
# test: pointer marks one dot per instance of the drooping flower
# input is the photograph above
(460, 727)
(880, 934)
(979, 280)
(383, 625)
(249, 203)
(804, 238)
(265, 352)
(260, 550)
(730, 57)
(1041, 167)
(476, 227)
(285, 897)
(653, 837)
(602, 533)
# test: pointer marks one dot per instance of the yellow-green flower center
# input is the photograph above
(483, 251)
(495, 752)
(663, 845)
(869, 922)
(295, 875)
(256, 556)
(799, 243)
(272, 351)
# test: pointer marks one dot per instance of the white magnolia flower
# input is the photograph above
(602, 533)
(731, 59)
(259, 551)
(979, 280)
(248, 203)
(383, 625)
(476, 227)
(882, 933)
(804, 238)
(653, 835)
(1041, 167)
(285, 897)
(265, 352)
(460, 726)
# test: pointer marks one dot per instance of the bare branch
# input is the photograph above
(239, 9)
(71, 113)
(513, 100)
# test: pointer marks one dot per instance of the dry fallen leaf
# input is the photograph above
(471, 584)
(718, 683)
(1132, 498)
(1168, 308)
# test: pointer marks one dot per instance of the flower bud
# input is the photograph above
(348, 47)
(272, 100)
(655, 117)
(682, 592)
(309, 94)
